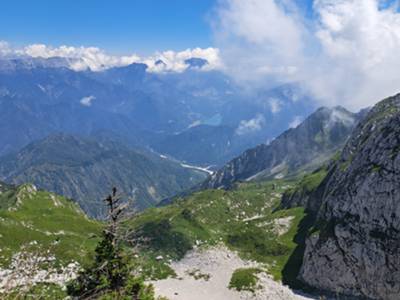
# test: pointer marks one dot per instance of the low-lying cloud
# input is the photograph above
(96, 59)
(251, 126)
(346, 53)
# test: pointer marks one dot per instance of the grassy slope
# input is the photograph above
(243, 219)
(47, 222)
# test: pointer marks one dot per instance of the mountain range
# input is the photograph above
(315, 207)
(85, 169)
(161, 111)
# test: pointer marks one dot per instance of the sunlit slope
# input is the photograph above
(41, 222)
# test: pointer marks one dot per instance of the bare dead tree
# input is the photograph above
(116, 210)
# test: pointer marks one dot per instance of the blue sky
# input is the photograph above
(121, 26)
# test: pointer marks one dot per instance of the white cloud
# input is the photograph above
(175, 61)
(275, 105)
(295, 122)
(250, 126)
(87, 101)
(258, 38)
(347, 54)
(5, 48)
(81, 58)
(96, 59)
(339, 116)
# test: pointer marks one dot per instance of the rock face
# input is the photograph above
(301, 148)
(355, 247)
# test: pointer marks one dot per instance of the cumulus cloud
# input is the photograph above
(258, 38)
(250, 126)
(87, 101)
(96, 59)
(346, 54)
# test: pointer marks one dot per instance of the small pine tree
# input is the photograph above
(108, 277)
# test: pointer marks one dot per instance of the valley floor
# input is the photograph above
(205, 274)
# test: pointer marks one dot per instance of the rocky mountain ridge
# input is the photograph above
(302, 148)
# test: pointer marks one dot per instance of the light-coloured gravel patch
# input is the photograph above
(26, 271)
(219, 263)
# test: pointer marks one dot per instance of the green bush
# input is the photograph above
(244, 279)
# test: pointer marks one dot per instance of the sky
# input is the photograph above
(343, 52)
(119, 26)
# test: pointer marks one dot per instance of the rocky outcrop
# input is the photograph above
(354, 247)
(302, 148)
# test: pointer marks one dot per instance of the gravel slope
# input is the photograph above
(219, 263)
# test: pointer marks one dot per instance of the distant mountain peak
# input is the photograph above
(135, 66)
(331, 110)
(330, 116)
(196, 62)
(160, 62)
(28, 63)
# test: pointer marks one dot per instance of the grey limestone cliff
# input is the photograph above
(354, 247)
